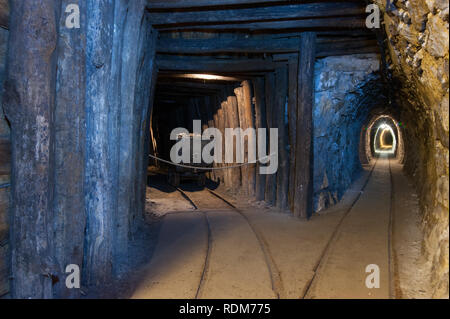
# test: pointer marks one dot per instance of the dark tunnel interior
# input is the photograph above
(224, 149)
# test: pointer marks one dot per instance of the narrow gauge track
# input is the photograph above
(197, 200)
(201, 200)
(329, 246)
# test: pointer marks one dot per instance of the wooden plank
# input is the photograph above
(260, 45)
(271, 179)
(183, 4)
(260, 122)
(292, 119)
(181, 89)
(215, 79)
(4, 14)
(305, 103)
(4, 270)
(190, 84)
(281, 90)
(28, 103)
(202, 105)
(214, 46)
(4, 214)
(102, 152)
(218, 174)
(317, 24)
(292, 11)
(233, 121)
(5, 156)
(70, 154)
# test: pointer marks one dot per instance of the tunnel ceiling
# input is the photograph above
(248, 38)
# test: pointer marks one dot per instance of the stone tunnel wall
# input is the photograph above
(417, 44)
(345, 89)
(4, 173)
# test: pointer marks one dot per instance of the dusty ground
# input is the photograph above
(412, 270)
(259, 252)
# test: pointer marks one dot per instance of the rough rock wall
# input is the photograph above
(345, 89)
(4, 173)
(97, 90)
(417, 44)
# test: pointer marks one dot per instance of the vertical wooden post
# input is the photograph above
(29, 106)
(217, 174)
(281, 78)
(271, 180)
(260, 122)
(303, 163)
(122, 127)
(102, 144)
(292, 118)
(362, 147)
(221, 127)
(233, 122)
(242, 123)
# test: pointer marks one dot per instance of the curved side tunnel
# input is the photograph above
(382, 135)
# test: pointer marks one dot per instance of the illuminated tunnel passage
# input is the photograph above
(383, 136)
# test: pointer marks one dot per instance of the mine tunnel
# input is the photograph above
(224, 149)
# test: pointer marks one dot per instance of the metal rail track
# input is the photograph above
(276, 280)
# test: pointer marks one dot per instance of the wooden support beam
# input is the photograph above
(223, 121)
(292, 11)
(305, 103)
(29, 104)
(292, 121)
(101, 204)
(5, 156)
(146, 77)
(193, 76)
(331, 23)
(190, 84)
(249, 115)
(281, 91)
(260, 122)
(271, 179)
(183, 89)
(218, 174)
(214, 46)
(244, 97)
(326, 47)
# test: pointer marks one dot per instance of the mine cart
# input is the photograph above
(196, 171)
